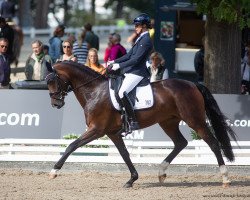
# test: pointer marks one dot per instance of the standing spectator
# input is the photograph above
(199, 63)
(157, 67)
(93, 62)
(245, 74)
(80, 49)
(46, 49)
(117, 50)
(91, 38)
(38, 65)
(108, 48)
(55, 50)
(4, 64)
(8, 10)
(67, 52)
(8, 33)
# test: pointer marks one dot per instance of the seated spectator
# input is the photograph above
(117, 50)
(38, 65)
(4, 64)
(80, 49)
(245, 74)
(157, 67)
(55, 50)
(93, 62)
(67, 52)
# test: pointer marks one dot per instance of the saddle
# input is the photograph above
(141, 96)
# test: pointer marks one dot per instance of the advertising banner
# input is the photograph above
(28, 114)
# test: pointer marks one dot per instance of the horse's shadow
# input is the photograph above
(194, 184)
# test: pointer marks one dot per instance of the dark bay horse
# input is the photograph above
(175, 100)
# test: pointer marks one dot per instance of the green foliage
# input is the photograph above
(194, 135)
(231, 11)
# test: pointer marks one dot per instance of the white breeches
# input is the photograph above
(128, 84)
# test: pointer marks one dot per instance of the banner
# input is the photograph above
(29, 114)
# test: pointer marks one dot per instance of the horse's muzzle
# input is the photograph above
(57, 104)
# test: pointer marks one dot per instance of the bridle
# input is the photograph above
(62, 85)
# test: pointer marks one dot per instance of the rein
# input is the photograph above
(60, 81)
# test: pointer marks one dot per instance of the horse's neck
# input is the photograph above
(91, 93)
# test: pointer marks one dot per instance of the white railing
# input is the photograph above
(99, 30)
(104, 151)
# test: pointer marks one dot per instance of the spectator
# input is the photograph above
(55, 50)
(152, 30)
(67, 52)
(108, 49)
(199, 63)
(93, 62)
(157, 68)
(91, 38)
(8, 33)
(46, 49)
(38, 65)
(117, 50)
(80, 49)
(4, 64)
(8, 10)
(245, 71)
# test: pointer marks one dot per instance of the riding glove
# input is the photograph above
(110, 62)
(116, 66)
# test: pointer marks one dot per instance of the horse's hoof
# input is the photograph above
(226, 185)
(52, 176)
(162, 178)
(128, 185)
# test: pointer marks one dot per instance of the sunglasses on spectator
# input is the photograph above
(3, 46)
(68, 47)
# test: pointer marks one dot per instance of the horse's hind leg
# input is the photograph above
(171, 128)
(212, 142)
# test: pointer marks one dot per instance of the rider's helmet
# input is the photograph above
(142, 19)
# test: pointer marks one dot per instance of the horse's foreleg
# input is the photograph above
(119, 143)
(84, 139)
(171, 128)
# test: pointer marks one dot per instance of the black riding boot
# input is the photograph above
(133, 124)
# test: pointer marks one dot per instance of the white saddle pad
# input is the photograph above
(143, 94)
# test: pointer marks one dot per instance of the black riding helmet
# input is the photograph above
(142, 19)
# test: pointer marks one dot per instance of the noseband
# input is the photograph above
(61, 86)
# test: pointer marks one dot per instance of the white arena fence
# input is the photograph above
(104, 151)
(99, 30)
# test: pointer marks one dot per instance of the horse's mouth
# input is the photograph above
(58, 104)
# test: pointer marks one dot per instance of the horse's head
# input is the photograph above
(58, 89)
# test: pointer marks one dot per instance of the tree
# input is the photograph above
(41, 16)
(225, 18)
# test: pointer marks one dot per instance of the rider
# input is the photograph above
(133, 66)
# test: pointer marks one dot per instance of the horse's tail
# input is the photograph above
(219, 126)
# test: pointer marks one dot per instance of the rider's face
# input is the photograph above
(138, 29)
